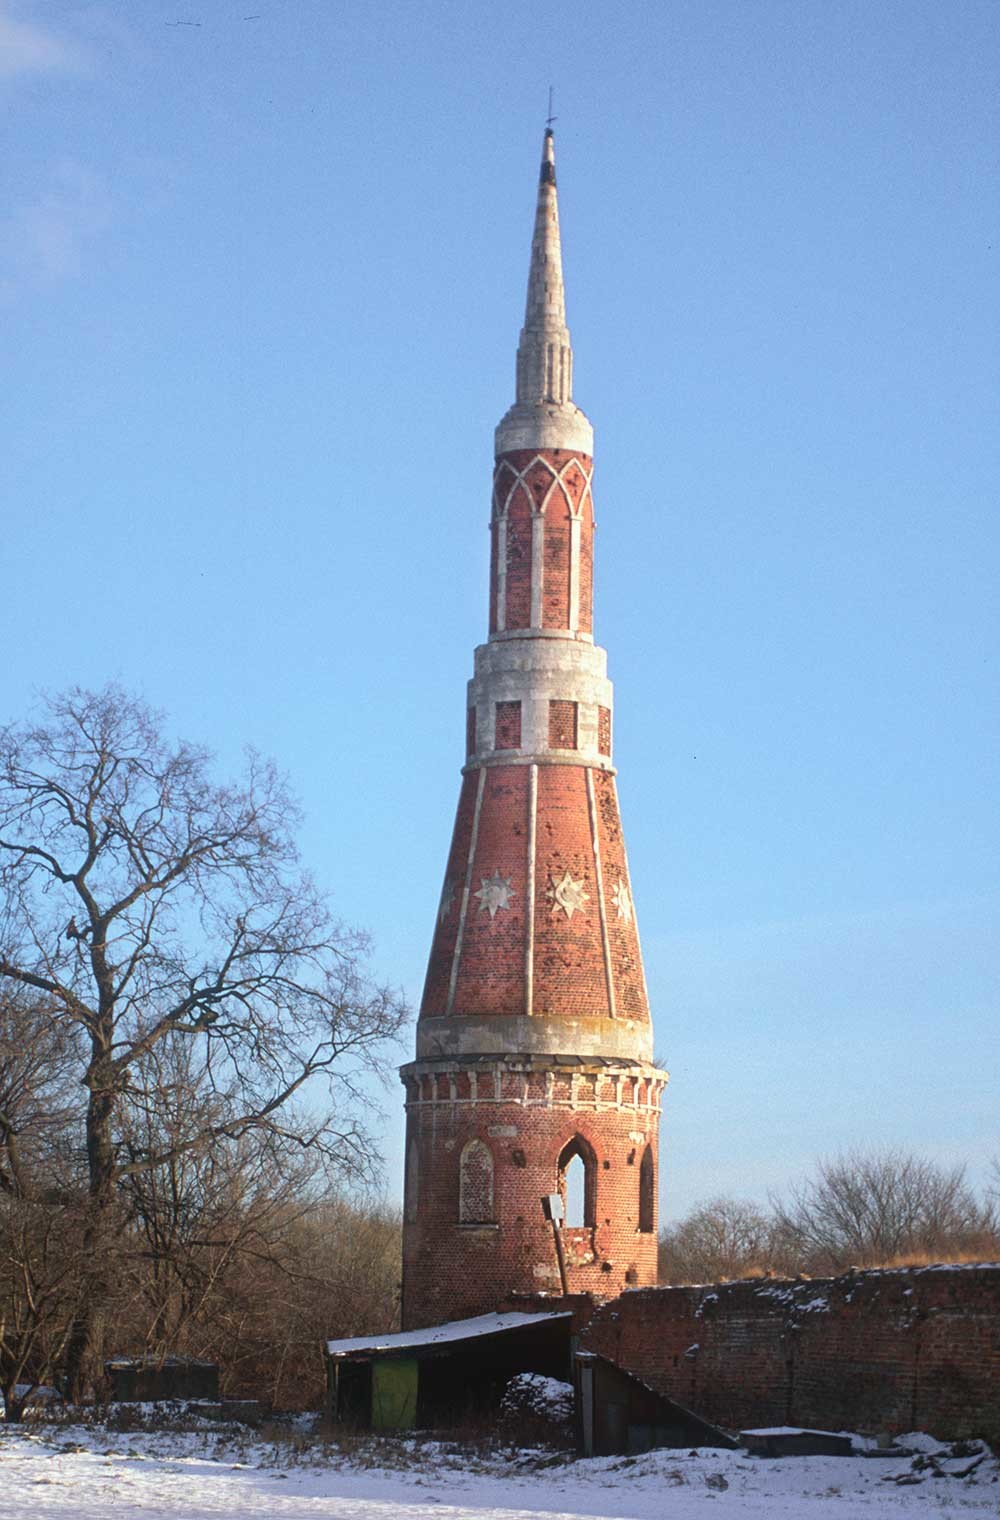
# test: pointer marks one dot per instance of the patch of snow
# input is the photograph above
(63, 1472)
(545, 1397)
(438, 1335)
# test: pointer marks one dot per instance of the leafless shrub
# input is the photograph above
(868, 1208)
(724, 1238)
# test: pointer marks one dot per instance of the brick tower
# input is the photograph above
(533, 1073)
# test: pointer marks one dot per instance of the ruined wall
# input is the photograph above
(908, 1349)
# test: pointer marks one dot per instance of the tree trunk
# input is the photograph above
(96, 1278)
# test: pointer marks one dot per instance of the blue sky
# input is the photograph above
(262, 270)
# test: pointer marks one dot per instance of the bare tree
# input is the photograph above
(41, 1191)
(145, 903)
(876, 1207)
(724, 1238)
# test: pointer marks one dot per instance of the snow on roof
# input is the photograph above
(791, 1430)
(441, 1335)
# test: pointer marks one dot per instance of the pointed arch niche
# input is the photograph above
(475, 1184)
(578, 1183)
(647, 1192)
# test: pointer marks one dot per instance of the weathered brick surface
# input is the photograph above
(873, 1351)
(562, 724)
(518, 560)
(556, 572)
(551, 484)
(623, 934)
(526, 1117)
(604, 730)
(570, 975)
(587, 565)
(508, 726)
(491, 970)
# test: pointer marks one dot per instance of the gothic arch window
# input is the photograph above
(412, 1183)
(578, 1182)
(475, 1184)
(647, 1192)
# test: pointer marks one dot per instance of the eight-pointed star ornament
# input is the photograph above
(567, 894)
(622, 899)
(494, 893)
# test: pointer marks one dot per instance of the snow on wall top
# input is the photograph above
(440, 1335)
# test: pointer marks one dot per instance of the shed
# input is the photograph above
(619, 1413)
(145, 1379)
(445, 1373)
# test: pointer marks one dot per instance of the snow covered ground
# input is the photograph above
(91, 1474)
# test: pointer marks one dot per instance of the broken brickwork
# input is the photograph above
(893, 1351)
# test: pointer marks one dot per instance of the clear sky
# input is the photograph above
(262, 270)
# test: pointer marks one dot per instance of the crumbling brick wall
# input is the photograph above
(893, 1350)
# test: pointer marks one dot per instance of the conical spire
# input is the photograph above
(544, 355)
(543, 415)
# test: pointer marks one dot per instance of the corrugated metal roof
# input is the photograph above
(441, 1335)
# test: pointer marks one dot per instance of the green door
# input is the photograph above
(394, 1394)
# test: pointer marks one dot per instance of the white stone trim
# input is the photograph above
(535, 672)
(544, 425)
(521, 479)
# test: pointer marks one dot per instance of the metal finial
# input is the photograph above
(550, 118)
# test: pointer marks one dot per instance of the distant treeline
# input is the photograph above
(860, 1209)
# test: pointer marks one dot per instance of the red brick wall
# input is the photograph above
(562, 724)
(491, 971)
(519, 561)
(587, 566)
(570, 976)
(555, 576)
(508, 726)
(452, 1270)
(623, 934)
(555, 485)
(900, 1350)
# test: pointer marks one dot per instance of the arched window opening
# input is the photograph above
(578, 1183)
(475, 1184)
(412, 1184)
(647, 1192)
(576, 1192)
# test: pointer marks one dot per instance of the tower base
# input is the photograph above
(487, 1139)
